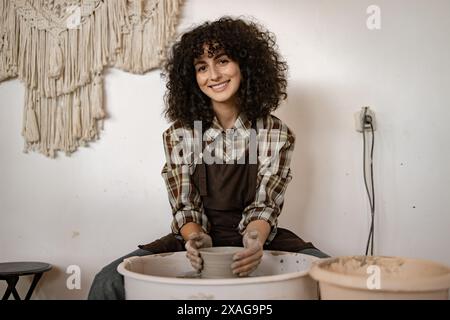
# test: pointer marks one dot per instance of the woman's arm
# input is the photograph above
(262, 227)
(184, 197)
(275, 147)
(190, 228)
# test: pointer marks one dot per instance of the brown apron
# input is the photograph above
(225, 190)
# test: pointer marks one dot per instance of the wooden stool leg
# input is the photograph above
(36, 278)
(12, 281)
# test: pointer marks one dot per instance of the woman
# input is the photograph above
(228, 158)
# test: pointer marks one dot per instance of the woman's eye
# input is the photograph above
(223, 61)
(202, 68)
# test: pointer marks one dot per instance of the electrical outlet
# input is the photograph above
(370, 117)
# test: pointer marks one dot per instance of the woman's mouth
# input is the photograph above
(220, 86)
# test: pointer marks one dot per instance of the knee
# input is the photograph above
(107, 285)
(315, 252)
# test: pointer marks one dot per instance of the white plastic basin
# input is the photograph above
(359, 277)
(281, 275)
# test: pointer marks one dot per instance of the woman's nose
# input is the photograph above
(214, 74)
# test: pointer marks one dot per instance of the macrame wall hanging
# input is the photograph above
(59, 49)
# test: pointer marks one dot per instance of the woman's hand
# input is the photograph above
(247, 260)
(197, 240)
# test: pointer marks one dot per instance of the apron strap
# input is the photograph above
(203, 184)
(253, 170)
(201, 167)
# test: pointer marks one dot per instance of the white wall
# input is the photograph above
(100, 203)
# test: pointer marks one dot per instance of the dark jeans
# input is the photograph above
(108, 284)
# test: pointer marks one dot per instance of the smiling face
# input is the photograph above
(218, 77)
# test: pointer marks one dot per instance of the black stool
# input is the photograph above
(11, 271)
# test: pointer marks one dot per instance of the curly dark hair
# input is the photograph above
(263, 72)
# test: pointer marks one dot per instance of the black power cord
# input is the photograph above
(367, 119)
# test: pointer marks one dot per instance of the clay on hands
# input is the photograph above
(197, 241)
(247, 260)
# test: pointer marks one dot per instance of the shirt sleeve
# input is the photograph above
(275, 148)
(184, 197)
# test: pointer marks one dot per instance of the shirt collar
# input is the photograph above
(242, 124)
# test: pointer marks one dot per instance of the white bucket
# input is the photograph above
(377, 277)
(281, 275)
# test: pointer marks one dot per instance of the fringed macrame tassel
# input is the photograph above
(8, 43)
(137, 46)
(59, 128)
(56, 61)
(5, 73)
(97, 98)
(146, 37)
(31, 128)
(77, 130)
(62, 69)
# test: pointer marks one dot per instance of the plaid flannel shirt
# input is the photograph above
(275, 143)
